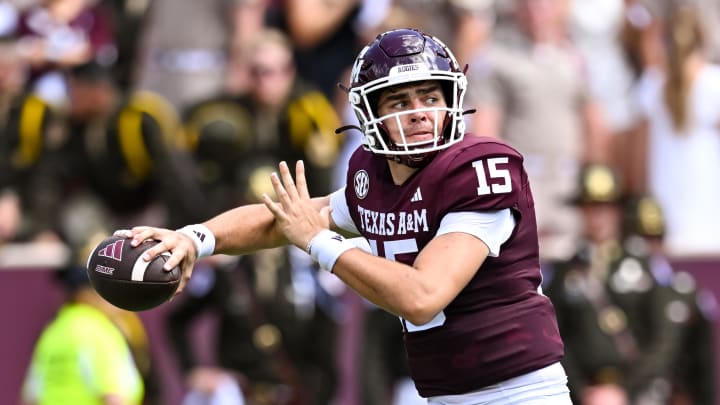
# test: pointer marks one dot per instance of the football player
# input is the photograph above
(449, 220)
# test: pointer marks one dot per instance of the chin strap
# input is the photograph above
(347, 128)
(415, 161)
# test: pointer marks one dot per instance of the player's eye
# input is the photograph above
(400, 105)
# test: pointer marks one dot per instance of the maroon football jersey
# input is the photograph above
(499, 326)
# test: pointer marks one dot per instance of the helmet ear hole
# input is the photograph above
(373, 100)
(447, 90)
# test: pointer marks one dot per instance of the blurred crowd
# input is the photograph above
(115, 113)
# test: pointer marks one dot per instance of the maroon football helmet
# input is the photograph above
(398, 57)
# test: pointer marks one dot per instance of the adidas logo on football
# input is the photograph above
(417, 196)
(113, 251)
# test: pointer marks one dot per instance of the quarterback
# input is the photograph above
(449, 219)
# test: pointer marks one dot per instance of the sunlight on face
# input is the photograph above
(416, 126)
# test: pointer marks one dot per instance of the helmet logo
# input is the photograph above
(362, 184)
(357, 66)
(395, 70)
(406, 68)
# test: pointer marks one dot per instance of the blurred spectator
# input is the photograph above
(638, 34)
(435, 17)
(708, 13)
(530, 88)
(641, 48)
(620, 344)
(595, 27)
(127, 148)
(277, 316)
(680, 149)
(475, 20)
(81, 357)
(184, 46)
(693, 309)
(12, 81)
(282, 117)
(29, 142)
(325, 46)
(128, 17)
(12, 77)
(105, 162)
(81, 172)
(57, 34)
(249, 19)
(710, 16)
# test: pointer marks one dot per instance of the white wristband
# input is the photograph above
(202, 237)
(327, 246)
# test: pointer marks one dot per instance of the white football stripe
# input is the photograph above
(138, 271)
(140, 266)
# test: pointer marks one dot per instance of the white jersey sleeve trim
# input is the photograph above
(492, 227)
(341, 212)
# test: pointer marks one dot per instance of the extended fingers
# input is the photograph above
(274, 207)
(300, 181)
(287, 180)
(282, 195)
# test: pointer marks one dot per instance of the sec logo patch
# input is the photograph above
(362, 184)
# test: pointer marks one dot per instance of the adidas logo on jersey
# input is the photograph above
(417, 196)
(112, 251)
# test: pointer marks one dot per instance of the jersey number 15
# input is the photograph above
(489, 170)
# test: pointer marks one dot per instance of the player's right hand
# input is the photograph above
(181, 248)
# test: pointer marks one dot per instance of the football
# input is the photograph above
(120, 275)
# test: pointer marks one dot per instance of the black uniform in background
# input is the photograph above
(612, 309)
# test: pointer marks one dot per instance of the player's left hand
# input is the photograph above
(296, 216)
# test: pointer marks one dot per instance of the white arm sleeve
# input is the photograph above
(341, 213)
(491, 227)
